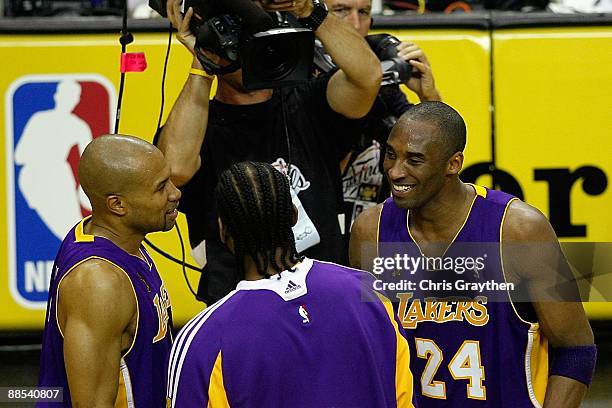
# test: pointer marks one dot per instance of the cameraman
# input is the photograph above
(202, 138)
(363, 181)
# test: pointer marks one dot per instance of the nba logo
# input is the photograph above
(49, 121)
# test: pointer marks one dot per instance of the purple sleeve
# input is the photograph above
(191, 365)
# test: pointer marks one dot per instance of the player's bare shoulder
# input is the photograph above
(525, 223)
(94, 285)
(364, 232)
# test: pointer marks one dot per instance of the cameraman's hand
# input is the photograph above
(422, 83)
(301, 8)
(184, 34)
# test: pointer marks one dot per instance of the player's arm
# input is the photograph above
(96, 305)
(364, 237)
(183, 134)
(533, 254)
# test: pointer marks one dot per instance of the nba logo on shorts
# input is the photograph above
(49, 121)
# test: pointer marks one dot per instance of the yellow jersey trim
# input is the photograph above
(403, 375)
(80, 235)
(131, 285)
(480, 190)
(382, 207)
(217, 395)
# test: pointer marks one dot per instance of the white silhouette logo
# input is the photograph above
(304, 313)
(46, 179)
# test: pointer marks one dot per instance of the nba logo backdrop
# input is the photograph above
(49, 121)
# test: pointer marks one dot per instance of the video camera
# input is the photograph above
(272, 49)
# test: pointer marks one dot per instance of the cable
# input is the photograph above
(163, 82)
(183, 264)
(125, 39)
(170, 257)
(287, 138)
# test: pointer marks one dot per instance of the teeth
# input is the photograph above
(402, 188)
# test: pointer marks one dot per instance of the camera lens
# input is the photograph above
(277, 58)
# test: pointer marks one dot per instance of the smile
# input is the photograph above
(402, 188)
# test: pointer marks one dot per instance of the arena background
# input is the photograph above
(535, 92)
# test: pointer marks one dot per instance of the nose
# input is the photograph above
(175, 193)
(396, 172)
(353, 19)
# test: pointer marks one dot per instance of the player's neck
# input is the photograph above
(129, 241)
(251, 272)
(226, 93)
(439, 217)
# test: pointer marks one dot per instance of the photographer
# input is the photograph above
(363, 182)
(306, 136)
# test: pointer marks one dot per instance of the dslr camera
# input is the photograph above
(395, 69)
(272, 49)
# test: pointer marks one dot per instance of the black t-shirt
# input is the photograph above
(318, 138)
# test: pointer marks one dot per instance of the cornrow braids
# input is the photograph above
(254, 203)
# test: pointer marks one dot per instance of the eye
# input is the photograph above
(389, 154)
(415, 161)
(341, 11)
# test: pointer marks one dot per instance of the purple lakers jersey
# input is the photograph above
(310, 337)
(143, 366)
(474, 350)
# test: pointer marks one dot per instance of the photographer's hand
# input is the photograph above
(184, 34)
(423, 84)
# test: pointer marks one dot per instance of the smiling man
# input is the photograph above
(457, 342)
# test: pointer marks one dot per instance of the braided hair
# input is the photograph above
(254, 202)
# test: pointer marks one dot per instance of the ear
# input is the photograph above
(455, 163)
(295, 215)
(116, 205)
(225, 236)
(223, 233)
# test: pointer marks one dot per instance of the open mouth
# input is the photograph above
(402, 188)
(172, 213)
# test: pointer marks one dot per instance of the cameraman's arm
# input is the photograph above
(352, 89)
(181, 138)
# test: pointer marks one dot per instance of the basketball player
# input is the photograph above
(108, 329)
(295, 332)
(483, 350)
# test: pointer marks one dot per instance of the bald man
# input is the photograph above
(108, 325)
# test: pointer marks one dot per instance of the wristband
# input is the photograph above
(577, 363)
(202, 73)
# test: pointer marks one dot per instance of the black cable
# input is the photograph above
(124, 40)
(159, 119)
(184, 264)
(163, 82)
(287, 138)
(170, 257)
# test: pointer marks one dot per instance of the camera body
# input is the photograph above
(395, 69)
(272, 49)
